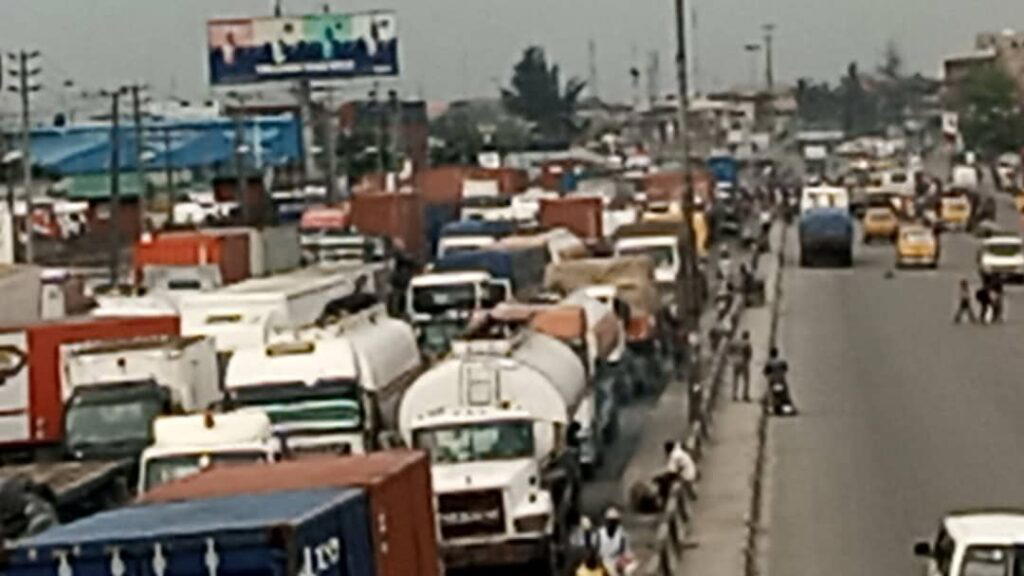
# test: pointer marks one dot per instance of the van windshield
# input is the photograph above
(477, 442)
(169, 468)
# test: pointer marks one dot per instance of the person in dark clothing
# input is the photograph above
(996, 291)
(741, 352)
(964, 307)
(984, 298)
(775, 369)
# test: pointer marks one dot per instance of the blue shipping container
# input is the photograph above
(524, 267)
(322, 532)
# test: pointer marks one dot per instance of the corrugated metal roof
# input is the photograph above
(245, 512)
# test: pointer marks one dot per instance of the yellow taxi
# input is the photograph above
(955, 211)
(880, 223)
(916, 245)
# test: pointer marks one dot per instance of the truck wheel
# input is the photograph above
(848, 260)
(805, 260)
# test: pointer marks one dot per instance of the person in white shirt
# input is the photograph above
(613, 543)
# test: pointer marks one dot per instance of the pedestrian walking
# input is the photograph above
(741, 352)
(984, 298)
(964, 308)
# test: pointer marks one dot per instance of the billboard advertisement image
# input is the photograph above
(314, 47)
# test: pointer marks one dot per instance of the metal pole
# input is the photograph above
(769, 72)
(115, 189)
(688, 300)
(169, 173)
(396, 129)
(331, 147)
(139, 168)
(240, 193)
(24, 89)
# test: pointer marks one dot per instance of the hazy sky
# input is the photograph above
(452, 48)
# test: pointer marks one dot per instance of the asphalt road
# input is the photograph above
(904, 415)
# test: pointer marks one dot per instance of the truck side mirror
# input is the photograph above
(923, 549)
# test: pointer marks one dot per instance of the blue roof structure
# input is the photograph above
(85, 148)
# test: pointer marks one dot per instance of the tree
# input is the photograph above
(537, 95)
(990, 113)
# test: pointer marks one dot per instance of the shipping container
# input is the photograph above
(511, 181)
(395, 215)
(435, 218)
(281, 249)
(229, 249)
(397, 484)
(21, 287)
(441, 185)
(323, 531)
(31, 406)
(581, 215)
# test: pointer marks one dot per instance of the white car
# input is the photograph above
(1002, 257)
(976, 542)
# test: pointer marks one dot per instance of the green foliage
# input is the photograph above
(990, 113)
(465, 128)
(537, 95)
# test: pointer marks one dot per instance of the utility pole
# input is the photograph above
(769, 71)
(140, 170)
(592, 69)
(25, 71)
(115, 187)
(241, 181)
(688, 297)
(169, 172)
(396, 129)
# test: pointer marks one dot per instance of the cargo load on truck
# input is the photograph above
(522, 266)
(229, 250)
(397, 484)
(331, 388)
(497, 418)
(242, 315)
(293, 533)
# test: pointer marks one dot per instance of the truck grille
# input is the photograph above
(471, 514)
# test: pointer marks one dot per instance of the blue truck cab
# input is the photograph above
(321, 531)
(826, 235)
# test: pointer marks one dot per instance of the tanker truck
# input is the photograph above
(497, 418)
(333, 388)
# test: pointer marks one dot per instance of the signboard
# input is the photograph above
(313, 47)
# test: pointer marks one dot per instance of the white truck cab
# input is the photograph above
(449, 245)
(185, 445)
(976, 543)
(662, 250)
(1002, 257)
(439, 304)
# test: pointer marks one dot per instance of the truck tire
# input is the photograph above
(805, 260)
(847, 259)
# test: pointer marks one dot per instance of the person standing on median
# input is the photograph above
(964, 307)
(741, 352)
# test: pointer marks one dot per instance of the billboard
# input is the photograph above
(313, 47)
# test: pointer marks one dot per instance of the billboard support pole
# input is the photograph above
(305, 93)
(331, 146)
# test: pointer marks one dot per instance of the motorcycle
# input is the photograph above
(780, 401)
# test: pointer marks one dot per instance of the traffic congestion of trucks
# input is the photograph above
(267, 382)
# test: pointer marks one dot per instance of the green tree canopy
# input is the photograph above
(537, 95)
(990, 111)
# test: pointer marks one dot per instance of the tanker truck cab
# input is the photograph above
(497, 417)
(487, 465)
(186, 445)
(334, 388)
(440, 304)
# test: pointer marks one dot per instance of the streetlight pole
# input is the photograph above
(769, 72)
(115, 187)
(25, 71)
(140, 170)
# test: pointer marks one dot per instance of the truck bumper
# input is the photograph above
(503, 553)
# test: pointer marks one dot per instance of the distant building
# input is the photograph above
(1003, 49)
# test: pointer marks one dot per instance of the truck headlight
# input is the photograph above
(532, 523)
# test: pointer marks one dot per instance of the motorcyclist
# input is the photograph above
(780, 401)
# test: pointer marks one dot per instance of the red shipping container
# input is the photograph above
(396, 215)
(511, 181)
(228, 249)
(397, 483)
(666, 186)
(441, 185)
(582, 215)
(31, 403)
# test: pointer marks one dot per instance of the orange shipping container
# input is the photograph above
(397, 484)
(581, 215)
(441, 185)
(228, 249)
(511, 181)
(396, 215)
(666, 186)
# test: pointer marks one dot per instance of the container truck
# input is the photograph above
(228, 249)
(242, 315)
(523, 266)
(581, 215)
(559, 244)
(468, 235)
(626, 284)
(332, 388)
(397, 485)
(185, 445)
(114, 390)
(323, 531)
(33, 415)
(661, 242)
(440, 304)
(497, 418)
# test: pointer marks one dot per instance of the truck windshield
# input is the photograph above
(112, 419)
(169, 468)
(329, 405)
(477, 442)
(440, 299)
(1004, 250)
(662, 256)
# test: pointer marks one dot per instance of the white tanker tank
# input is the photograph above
(497, 419)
